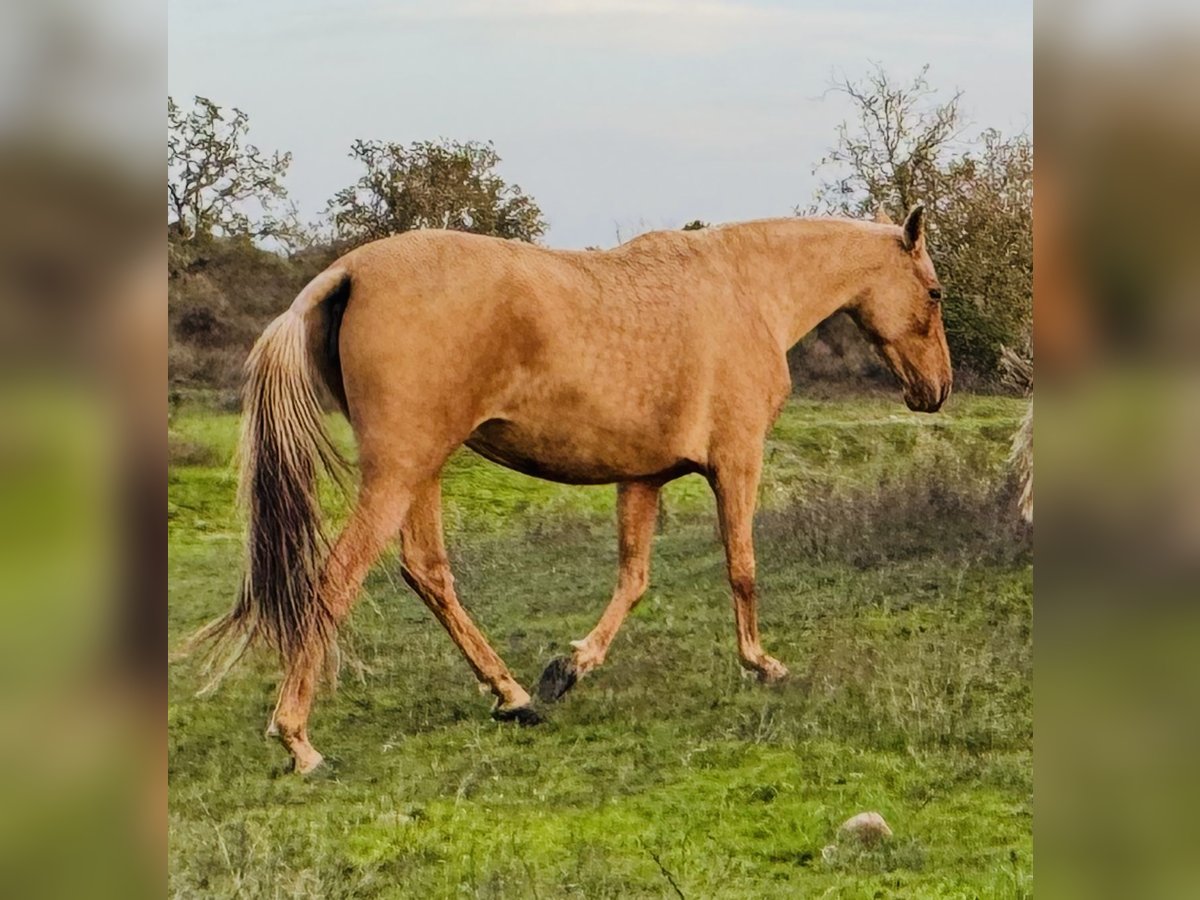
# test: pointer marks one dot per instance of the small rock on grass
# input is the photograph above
(867, 827)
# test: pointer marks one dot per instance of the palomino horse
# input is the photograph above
(662, 357)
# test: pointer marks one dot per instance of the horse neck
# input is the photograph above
(799, 272)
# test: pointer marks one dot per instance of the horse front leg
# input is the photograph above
(637, 511)
(735, 483)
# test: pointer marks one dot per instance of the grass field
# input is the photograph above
(893, 583)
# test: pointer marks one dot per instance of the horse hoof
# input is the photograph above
(774, 672)
(306, 766)
(558, 677)
(310, 766)
(522, 715)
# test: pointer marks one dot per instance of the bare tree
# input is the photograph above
(218, 183)
(427, 184)
(891, 154)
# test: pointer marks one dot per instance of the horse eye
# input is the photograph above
(935, 293)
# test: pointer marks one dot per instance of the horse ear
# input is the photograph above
(881, 216)
(914, 229)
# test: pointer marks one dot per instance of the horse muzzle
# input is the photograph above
(926, 398)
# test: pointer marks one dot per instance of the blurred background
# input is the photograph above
(1117, 335)
(82, 321)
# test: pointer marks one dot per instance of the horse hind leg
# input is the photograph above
(374, 522)
(427, 570)
(637, 512)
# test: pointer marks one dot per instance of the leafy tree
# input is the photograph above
(428, 184)
(983, 248)
(218, 183)
(695, 225)
(903, 145)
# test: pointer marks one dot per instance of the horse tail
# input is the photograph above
(283, 447)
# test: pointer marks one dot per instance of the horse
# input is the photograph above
(637, 365)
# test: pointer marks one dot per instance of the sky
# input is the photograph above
(616, 116)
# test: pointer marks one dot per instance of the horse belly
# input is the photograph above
(573, 452)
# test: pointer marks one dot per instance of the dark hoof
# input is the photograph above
(522, 715)
(558, 678)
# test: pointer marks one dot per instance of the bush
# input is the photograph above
(836, 352)
(182, 452)
(943, 505)
(221, 294)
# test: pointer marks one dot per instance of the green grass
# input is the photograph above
(892, 585)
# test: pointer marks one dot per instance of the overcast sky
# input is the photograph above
(610, 113)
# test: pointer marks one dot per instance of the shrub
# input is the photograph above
(942, 505)
(221, 295)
